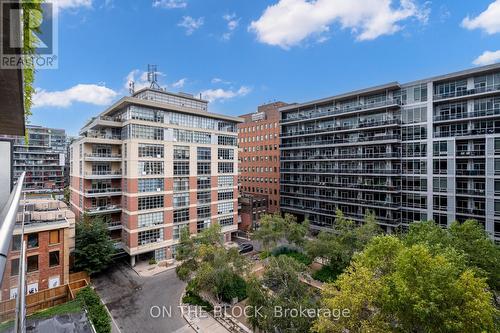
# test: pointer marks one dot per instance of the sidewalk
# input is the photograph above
(144, 269)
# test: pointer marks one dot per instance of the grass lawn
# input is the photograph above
(69, 307)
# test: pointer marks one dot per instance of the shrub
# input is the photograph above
(236, 288)
(264, 254)
(152, 261)
(326, 274)
(194, 299)
(300, 257)
(97, 312)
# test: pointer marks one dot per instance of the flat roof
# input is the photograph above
(180, 94)
(395, 85)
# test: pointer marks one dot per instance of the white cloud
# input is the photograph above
(489, 20)
(213, 95)
(64, 4)
(232, 24)
(169, 4)
(190, 24)
(217, 80)
(289, 22)
(487, 58)
(83, 93)
(180, 83)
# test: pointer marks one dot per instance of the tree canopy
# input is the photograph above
(93, 247)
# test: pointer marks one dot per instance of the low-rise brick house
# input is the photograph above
(49, 232)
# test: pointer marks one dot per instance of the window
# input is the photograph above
(150, 185)
(497, 166)
(225, 181)
(181, 184)
(146, 150)
(226, 154)
(226, 140)
(225, 207)
(203, 183)
(202, 225)
(181, 215)
(181, 168)
(225, 195)
(151, 202)
(16, 243)
(53, 258)
(440, 148)
(225, 221)
(226, 167)
(177, 230)
(135, 131)
(32, 240)
(203, 197)
(181, 200)
(204, 154)
(203, 212)
(150, 219)
(150, 236)
(146, 168)
(14, 267)
(33, 263)
(54, 237)
(181, 153)
(203, 168)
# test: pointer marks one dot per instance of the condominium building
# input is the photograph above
(428, 149)
(259, 159)
(152, 164)
(49, 232)
(42, 156)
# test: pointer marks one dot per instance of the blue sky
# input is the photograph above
(241, 53)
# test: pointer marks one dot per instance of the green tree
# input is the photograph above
(93, 247)
(395, 287)
(338, 247)
(280, 288)
(275, 228)
(468, 238)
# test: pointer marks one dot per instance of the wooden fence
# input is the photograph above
(46, 298)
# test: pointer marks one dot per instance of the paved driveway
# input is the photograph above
(129, 298)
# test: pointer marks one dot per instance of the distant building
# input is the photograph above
(153, 164)
(252, 206)
(49, 232)
(424, 150)
(259, 158)
(43, 157)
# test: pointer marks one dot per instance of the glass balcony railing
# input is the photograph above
(474, 114)
(467, 92)
(342, 141)
(359, 125)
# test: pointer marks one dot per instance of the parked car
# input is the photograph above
(245, 248)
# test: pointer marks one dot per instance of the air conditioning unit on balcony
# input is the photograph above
(158, 156)
(158, 189)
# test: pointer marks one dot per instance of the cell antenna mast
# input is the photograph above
(131, 87)
(153, 77)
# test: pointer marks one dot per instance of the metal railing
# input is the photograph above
(8, 221)
(467, 92)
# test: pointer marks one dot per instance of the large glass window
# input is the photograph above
(181, 153)
(204, 154)
(181, 199)
(204, 168)
(203, 183)
(146, 168)
(226, 140)
(225, 181)
(181, 184)
(181, 168)
(150, 219)
(226, 154)
(181, 215)
(203, 197)
(150, 236)
(225, 195)
(150, 184)
(150, 202)
(226, 167)
(146, 150)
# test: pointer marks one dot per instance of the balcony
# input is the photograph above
(352, 186)
(103, 136)
(465, 115)
(333, 111)
(467, 92)
(463, 172)
(103, 174)
(342, 156)
(471, 211)
(103, 157)
(470, 191)
(364, 202)
(473, 132)
(342, 141)
(470, 153)
(102, 192)
(343, 171)
(360, 125)
(114, 225)
(103, 209)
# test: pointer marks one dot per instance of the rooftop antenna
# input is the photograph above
(131, 87)
(153, 77)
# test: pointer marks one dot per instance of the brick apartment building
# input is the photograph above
(259, 163)
(49, 232)
(152, 164)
